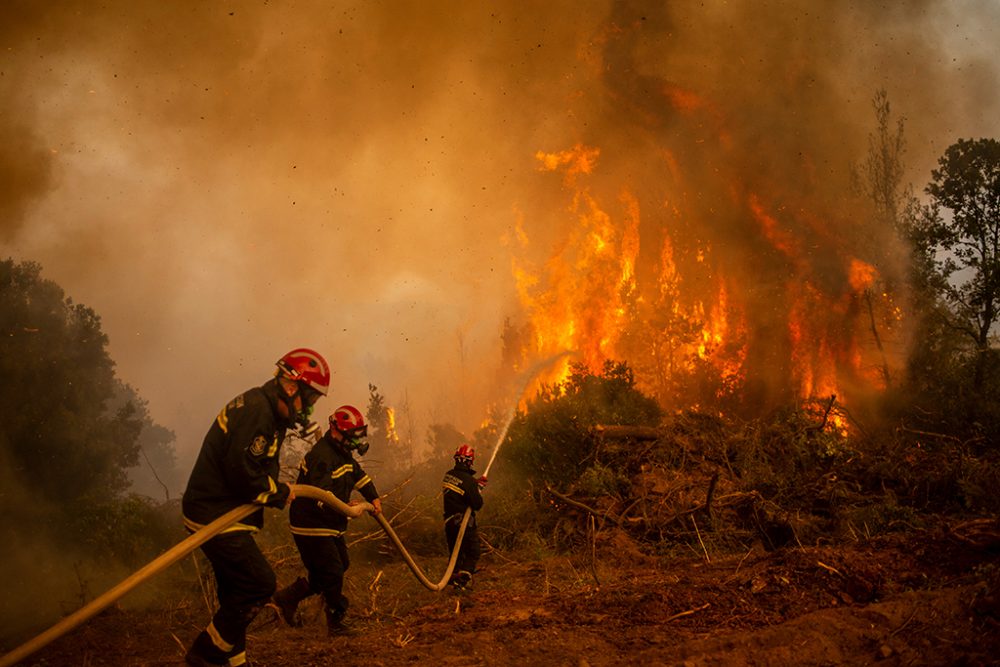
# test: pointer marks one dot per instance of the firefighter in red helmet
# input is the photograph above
(319, 530)
(237, 465)
(461, 492)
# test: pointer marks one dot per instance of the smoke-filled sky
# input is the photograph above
(224, 181)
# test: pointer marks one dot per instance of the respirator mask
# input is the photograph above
(355, 440)
(303, 417)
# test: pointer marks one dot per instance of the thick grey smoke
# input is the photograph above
(225, 181)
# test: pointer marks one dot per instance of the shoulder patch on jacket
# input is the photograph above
(258, 446)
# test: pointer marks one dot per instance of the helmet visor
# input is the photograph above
(357, 433)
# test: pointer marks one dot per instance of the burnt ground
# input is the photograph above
(928, 597)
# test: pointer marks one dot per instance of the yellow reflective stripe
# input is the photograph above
(361, 482)
(341, 471)
(271, 490)
(237, 527)
(457, 489)
(223, 421)
(316, 532)
(217, 639)
(272, 451)
(238, 659)
(194, 527)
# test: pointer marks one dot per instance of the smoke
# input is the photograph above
(222, 182)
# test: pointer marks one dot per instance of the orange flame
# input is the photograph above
(686, 330)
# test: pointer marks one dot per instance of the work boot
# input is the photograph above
(461, 580)
(239, 660)
(196, 660)
(203, 653)
(336, 626)
(287, 600)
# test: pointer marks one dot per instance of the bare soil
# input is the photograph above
(919, 598)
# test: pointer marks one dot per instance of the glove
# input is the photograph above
(481, 482)
(280, 497)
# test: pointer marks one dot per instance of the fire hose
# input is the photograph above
(162, 562)
(196, 539)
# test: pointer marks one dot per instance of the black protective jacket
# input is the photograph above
(461, 491)
(238, 462)
(330, 467)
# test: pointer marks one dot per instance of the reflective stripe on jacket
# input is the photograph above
(238, 461)
(460, 491)
(332, 468)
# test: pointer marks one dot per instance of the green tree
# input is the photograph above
(70, 433)
(377, 417)
(58, 435)
(963, 247)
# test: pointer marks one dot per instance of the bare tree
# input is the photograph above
(881, 182)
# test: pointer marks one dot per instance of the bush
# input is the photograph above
(552, 442)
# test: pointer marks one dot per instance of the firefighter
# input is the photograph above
(462, 491)
(237, 465)
(319, 530)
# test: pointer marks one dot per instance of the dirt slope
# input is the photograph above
(915, 599)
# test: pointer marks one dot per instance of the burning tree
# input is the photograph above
(726, 258)
(702, 324)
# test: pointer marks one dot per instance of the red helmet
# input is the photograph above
(348, 420)
(465, 455)
(350, 423)
(308, 366)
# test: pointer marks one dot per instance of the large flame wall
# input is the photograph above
(708, 232)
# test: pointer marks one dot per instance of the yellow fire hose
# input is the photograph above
(195, 540)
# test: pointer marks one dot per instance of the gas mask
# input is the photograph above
(303, 417)
(360, 446)
(308, 397)
(354, 440)
(299, 417)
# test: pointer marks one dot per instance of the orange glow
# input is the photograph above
(779, 238)
(689, 325)
(578, 160)
(684, 100)
(574, 298)
(861, 275)
(390, 426)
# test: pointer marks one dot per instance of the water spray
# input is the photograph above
(528, 377)
(446, 577)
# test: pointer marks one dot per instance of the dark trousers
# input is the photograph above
(468, 554)
(325, 558)
(244, 583)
